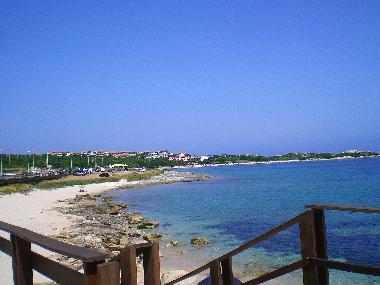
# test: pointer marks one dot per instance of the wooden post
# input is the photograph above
(308, 248)
(151, 262)
(90, 272)
(108, 274)
(215, 273)
(21, 261)
(321, 244)
(128, 266)
(227, 274)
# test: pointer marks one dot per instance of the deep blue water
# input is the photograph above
(242, 202)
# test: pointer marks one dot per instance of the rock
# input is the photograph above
(115, 247)
(172, 275)
(152, 237)
(172, 243)
(122, 205)
(199, 241)
(114, 210)
(92, 239)
(148, 225)
(179, 253)
(135, 219)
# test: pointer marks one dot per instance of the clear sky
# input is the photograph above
(197, 76)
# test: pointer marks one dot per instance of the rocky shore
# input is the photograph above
(102, 224)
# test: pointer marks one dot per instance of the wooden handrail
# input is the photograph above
(81, 253)
(243, 247)
(344, 208)
(319, 262)
(345, 266)
(278, 272)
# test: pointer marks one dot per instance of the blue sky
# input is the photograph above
(198, 76)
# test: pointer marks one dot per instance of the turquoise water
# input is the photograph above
(242, 202)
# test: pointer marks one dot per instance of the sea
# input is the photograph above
(241, 202)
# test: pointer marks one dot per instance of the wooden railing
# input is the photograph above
(314, 260)
(122, 270)
(25, 260)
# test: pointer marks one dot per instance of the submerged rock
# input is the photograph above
(172, 243)
(152, 237)
(200, 241)
(148, 225)
(122, 205)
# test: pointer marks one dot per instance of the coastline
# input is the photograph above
(37, 210)
(272, 162)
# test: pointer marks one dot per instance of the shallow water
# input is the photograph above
(242, 202)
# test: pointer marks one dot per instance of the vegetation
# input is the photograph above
(227, 158)
(19, 162)
(80, 180)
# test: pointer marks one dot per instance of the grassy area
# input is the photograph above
(79, 180)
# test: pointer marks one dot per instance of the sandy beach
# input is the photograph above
(37, 210)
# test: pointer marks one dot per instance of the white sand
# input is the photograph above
(33, 211)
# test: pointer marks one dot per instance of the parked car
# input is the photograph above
(78, 172)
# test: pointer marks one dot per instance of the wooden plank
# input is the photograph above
(345, 266)
(227, 274)
(151, 263)
(5, 246)
(278, 272)
(128, 266)
(55, 271)
(108, 274)
(215, 273)
(321, 244)
(243, 247)
(344, 208)
(308, 248)
(90, 272)
(81, 253)
(21, 261)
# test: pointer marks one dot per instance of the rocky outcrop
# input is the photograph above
(200, 241)
(148, 225)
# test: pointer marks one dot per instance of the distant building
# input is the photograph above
(204, 157)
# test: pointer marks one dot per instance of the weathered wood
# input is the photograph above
(243, 247)
(278, 272)
(108, 274)
(55, 271)
(345, 266)
(151, 263)
(128, 266)
(344, 208)
(215, 273)
(227, 274)
(321, 244)
(308, 248)
(21, 261)
(5, 246)
(81, 253)
(90, 272)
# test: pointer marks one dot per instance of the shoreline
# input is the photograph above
(37, 210)
(271, 162)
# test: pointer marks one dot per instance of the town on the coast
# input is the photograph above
(86, 162)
